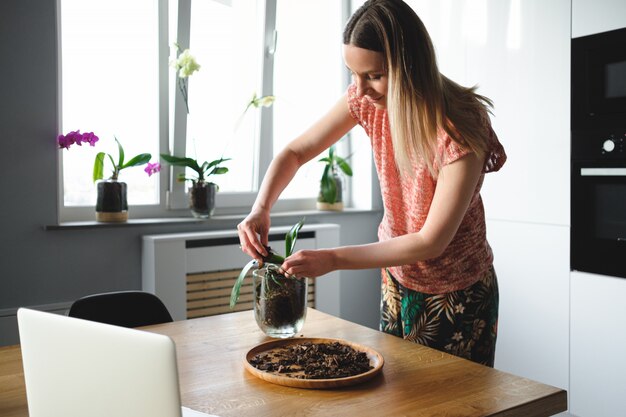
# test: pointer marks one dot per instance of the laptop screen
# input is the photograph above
(78, 368)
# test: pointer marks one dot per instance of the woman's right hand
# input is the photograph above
(253, 231)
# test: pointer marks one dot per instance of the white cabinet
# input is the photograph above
(531, 262)
(598, 338)
(595, 16)
(524, 67)
(518, 53)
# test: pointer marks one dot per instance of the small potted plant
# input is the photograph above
(280, 303)
(331, 185)
(111, 203)
(202, 192)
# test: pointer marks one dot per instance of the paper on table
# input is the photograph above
(188, 412)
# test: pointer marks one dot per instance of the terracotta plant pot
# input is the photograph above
(111, 205)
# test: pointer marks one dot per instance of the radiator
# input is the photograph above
(193, 273)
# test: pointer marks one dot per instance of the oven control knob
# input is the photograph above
(608, 145)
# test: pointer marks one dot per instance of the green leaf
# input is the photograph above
(98, 167)
(175, 160)
(272, 257)
(234, 294)
(325, 159)
(116, 169)
(120, 164)
(291, 237)
(219, 171)
(140, 159)
(217, 162)
(183, 162)
(343, 164)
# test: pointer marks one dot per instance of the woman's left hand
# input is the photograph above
(309, 263)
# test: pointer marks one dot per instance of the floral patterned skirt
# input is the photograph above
(463, 323)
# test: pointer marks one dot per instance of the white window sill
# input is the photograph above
(217, 219)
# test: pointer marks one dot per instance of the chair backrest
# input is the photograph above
(122, 308)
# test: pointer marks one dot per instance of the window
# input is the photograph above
(308, 77)
(116, 82)
(109, 86)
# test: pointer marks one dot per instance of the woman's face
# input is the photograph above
(368, 73)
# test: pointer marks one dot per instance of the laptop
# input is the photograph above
(78, 368)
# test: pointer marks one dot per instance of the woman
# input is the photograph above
(432, 143)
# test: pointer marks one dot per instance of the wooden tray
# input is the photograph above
(376, 360)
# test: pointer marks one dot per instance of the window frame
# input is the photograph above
(173, 125)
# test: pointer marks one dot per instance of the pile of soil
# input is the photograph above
(313, 361)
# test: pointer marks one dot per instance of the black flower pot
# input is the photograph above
(202, 199)
(111, 205)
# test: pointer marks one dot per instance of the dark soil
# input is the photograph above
(313, 361)
(284, 302)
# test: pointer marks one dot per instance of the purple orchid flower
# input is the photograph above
(152, 168)
(75, 137)
(90, 137)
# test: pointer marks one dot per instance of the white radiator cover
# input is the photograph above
(168, 258)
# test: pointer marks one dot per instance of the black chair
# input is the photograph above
(121, 308)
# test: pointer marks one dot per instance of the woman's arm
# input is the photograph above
(455, 188)
(329, 129)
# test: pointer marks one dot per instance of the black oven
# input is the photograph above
(598, 204)
(598, 154)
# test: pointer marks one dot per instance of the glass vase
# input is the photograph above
(202, 199)
(280, 303)
(337, 204)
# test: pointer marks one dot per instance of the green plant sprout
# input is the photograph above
(273, 261)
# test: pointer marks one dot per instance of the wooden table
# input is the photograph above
(415, 380)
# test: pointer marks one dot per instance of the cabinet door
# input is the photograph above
(518, 54)
(598, 337)
(531, 262)
(523, 65)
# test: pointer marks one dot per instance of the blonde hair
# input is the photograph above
(420, 100)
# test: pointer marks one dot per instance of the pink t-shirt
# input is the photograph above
(407, 199)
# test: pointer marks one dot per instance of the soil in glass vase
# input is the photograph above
(202, 199)
(111, 203)
(280, 303)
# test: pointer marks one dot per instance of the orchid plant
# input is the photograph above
(203, 171)
(185, 65)
(208, 168)
(273, 261)
(256, 102)
(77, 138)
(328, 183)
